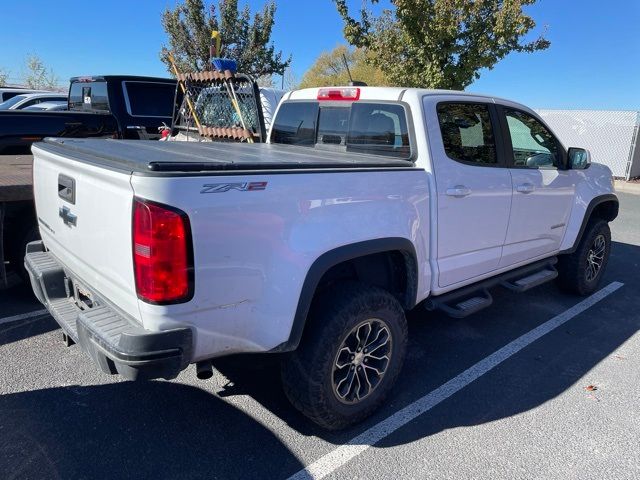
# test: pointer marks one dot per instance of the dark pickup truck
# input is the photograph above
(111, 106)
(115, 106)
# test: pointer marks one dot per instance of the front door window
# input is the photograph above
(533, 145)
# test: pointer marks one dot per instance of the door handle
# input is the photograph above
(525, 188)
(458, 191)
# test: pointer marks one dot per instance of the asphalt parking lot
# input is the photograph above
(481, 397)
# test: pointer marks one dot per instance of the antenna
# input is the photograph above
(346, 65)
(352, 82)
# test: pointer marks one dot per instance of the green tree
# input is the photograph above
(441, 43)
(329, 69)
(245, 40)
(4, 76)
(38, 76)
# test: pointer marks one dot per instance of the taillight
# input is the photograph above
(339, 93)
(162, 253)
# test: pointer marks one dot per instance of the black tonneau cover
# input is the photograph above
(149, 157)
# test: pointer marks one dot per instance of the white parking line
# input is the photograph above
(333, 460)
(23, 316)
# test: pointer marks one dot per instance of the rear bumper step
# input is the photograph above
(116, 343)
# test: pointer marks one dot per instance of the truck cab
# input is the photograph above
(496, 169)
(141, 105)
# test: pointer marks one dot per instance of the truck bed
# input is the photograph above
(19, 129)
(15, 178)
(166, 158)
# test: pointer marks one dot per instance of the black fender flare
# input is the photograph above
(599, 200)
(339, 255)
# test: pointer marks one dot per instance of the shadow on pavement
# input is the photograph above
(440, 348)
(20, 300)
(23, 329)
(170, 430)
(134, 430)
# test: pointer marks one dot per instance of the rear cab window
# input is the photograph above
(89, 95)
(149, 99)
(369, 127)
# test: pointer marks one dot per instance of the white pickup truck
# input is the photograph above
(367, 203)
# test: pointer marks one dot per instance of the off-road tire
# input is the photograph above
(572, 268)
(307, 373)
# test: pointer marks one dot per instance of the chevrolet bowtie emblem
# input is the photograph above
(67, 217)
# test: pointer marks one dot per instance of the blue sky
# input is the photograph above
(593, 62)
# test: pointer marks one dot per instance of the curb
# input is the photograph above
(627, 187)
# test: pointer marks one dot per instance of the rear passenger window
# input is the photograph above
(467, 133)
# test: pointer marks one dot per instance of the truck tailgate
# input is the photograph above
(84, 215)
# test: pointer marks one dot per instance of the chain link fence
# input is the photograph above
(611, 136)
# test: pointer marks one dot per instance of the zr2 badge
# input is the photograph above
(240, 186)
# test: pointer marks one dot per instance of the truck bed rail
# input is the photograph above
(156, 158)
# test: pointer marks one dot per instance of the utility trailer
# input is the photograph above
(18, 224)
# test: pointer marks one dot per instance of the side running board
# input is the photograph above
(470, 299)
(531, 281)
(463, 307)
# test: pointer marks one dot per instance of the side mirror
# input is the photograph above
(579, 158)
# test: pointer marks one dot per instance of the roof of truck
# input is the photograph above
(119, 78)
(388, 93)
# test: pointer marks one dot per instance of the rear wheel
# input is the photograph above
(581, 271)
(350, 355)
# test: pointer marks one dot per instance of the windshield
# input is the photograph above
(38, 107)
(11, 102)
(55, 105)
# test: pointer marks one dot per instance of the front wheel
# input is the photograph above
(350, 355)
(581, 271)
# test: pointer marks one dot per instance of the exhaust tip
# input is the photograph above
(204, 370)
